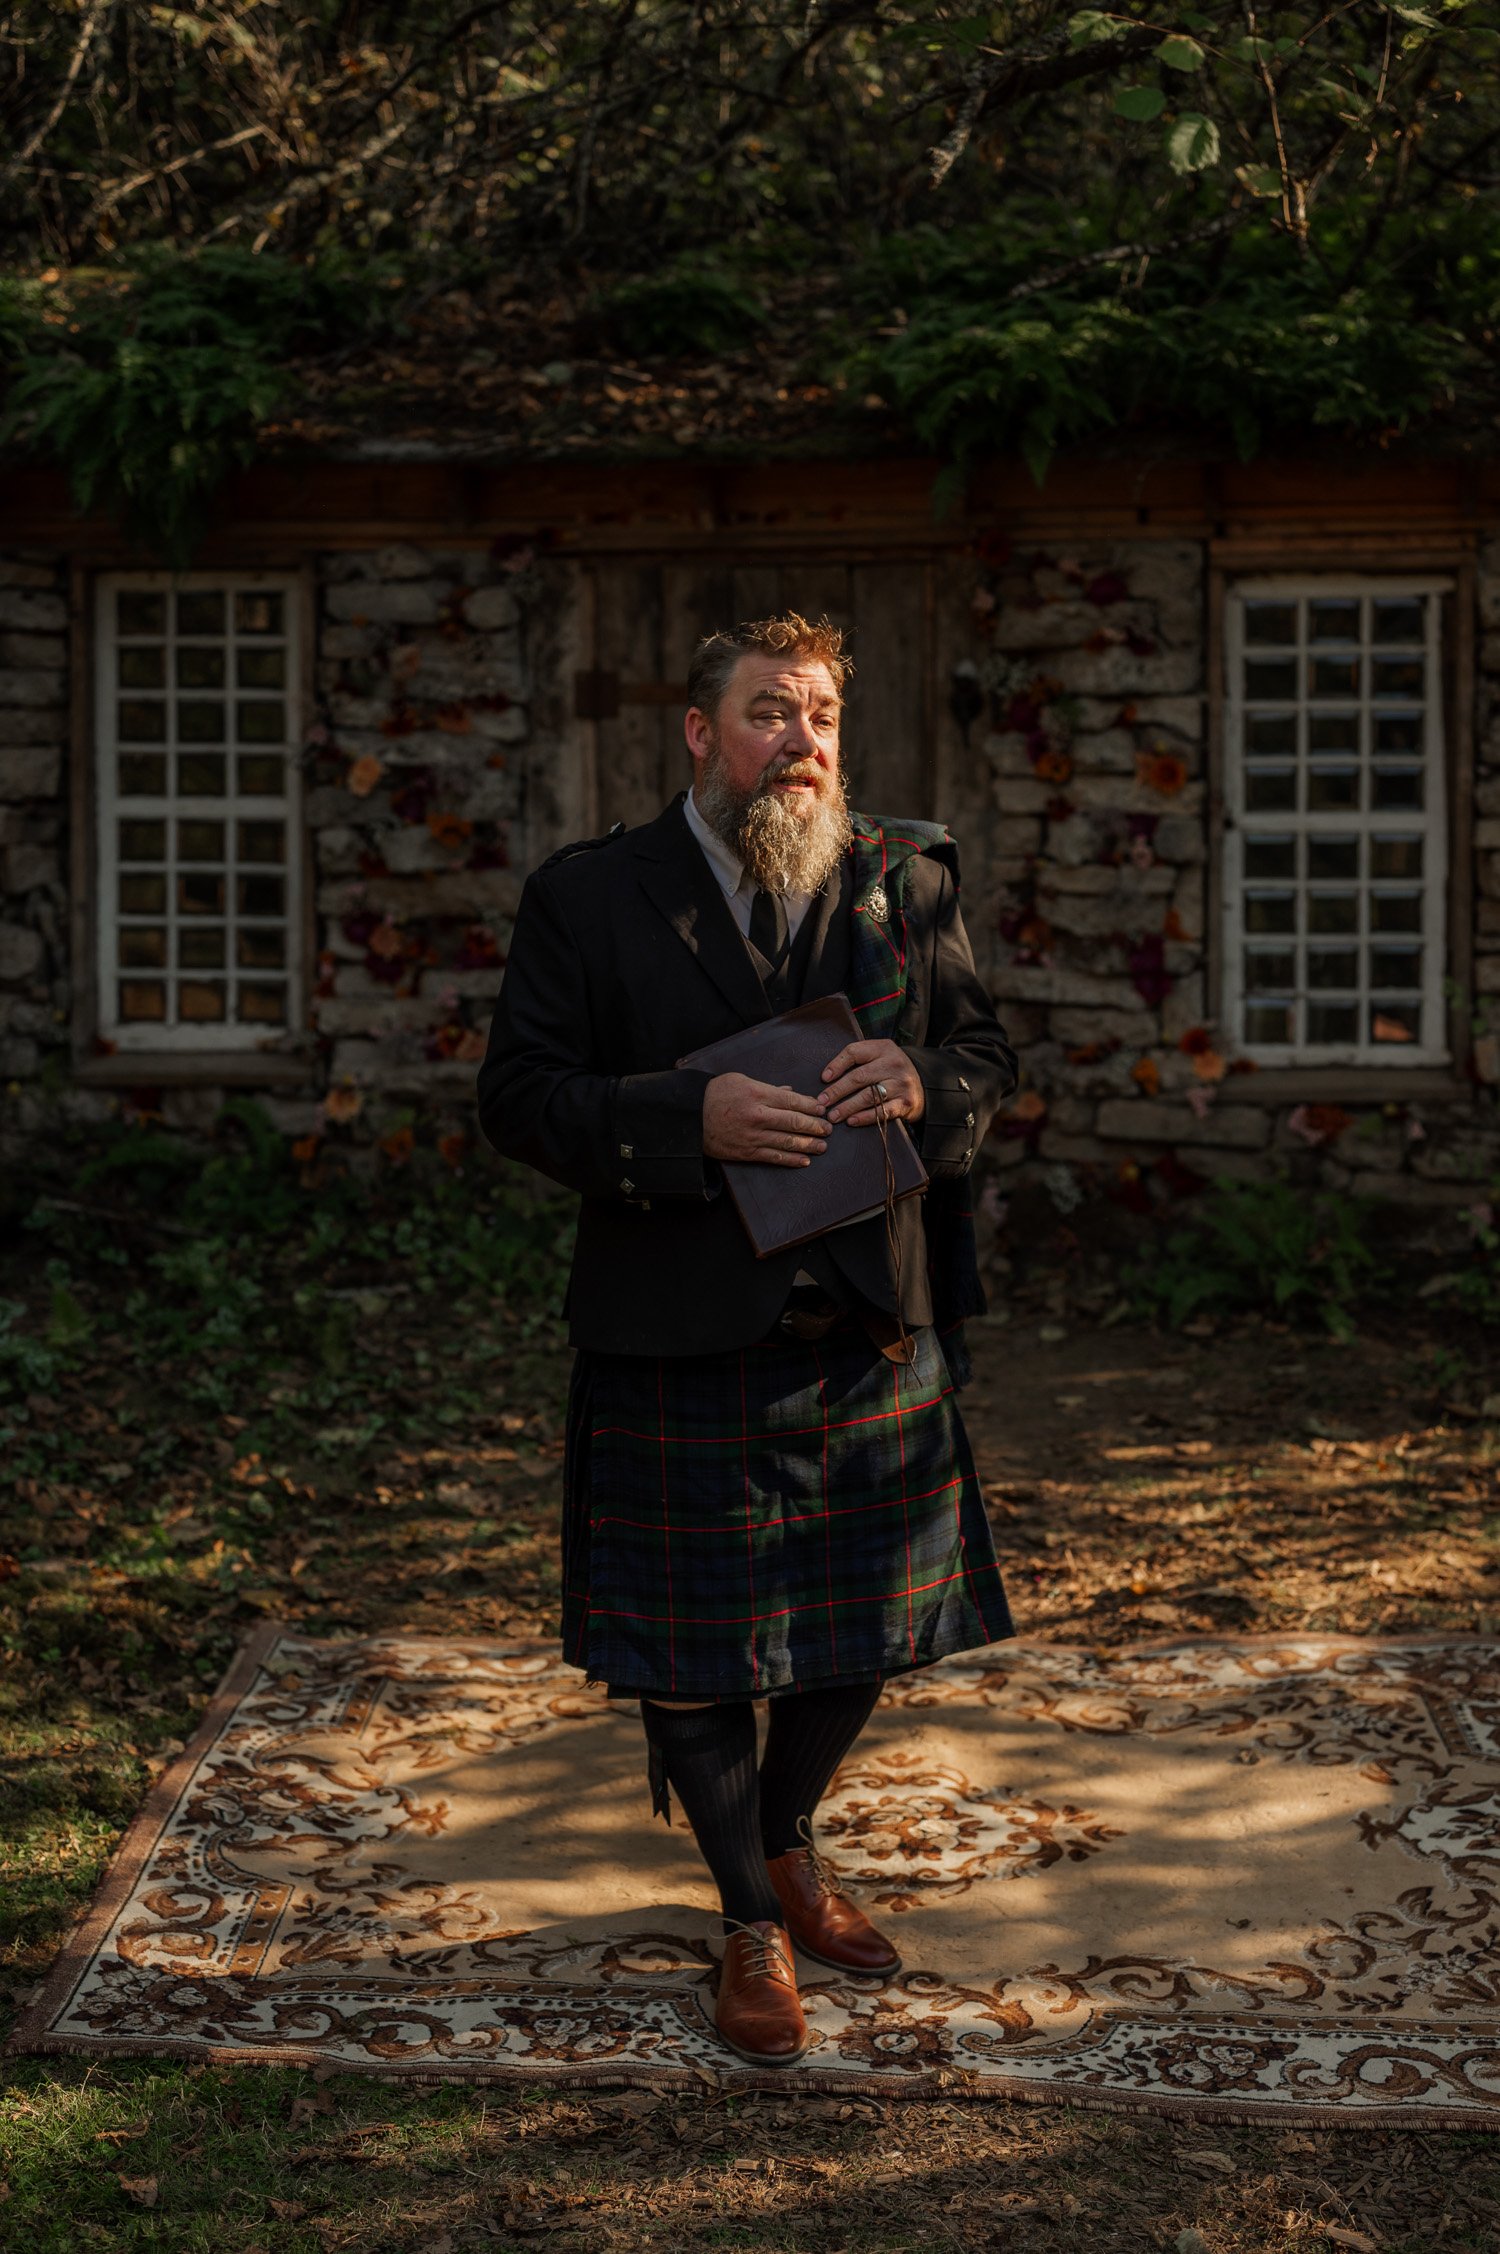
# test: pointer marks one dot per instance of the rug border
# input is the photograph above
(32, 2034)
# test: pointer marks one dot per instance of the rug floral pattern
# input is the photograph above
(1247, 1878)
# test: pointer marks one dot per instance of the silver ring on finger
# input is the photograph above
(881, 1090)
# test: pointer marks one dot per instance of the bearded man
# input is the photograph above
(769, 1492)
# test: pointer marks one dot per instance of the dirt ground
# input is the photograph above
(1250, 1479)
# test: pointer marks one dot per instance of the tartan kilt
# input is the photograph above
(795, 1513)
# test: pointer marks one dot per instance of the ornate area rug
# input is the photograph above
(1247, 1878)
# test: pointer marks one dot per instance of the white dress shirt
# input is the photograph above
(738, 886)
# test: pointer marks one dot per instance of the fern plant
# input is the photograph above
(1267, 1246)
(149, 383)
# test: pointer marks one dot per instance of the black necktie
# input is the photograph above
(769, 934)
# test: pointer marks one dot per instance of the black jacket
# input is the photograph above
(625, 957)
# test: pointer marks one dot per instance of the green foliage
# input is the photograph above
(1267, 1246)
(693, 306)
(149, 383)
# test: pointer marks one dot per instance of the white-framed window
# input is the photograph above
(1335, 847)
(199, 831)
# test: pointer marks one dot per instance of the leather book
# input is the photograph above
(782, 1206)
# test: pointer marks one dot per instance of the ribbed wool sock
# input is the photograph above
(708, 1753)
(807, 1735)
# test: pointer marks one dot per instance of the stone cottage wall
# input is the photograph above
(35, 994)
(1083, 692)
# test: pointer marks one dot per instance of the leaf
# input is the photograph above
(1179, 53)
(1140, 103)
(142, 2189)
(1359, 2241)
(1192, 143)
(1091, 25)
(1260, 179)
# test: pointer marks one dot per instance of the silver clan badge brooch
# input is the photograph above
(876, 904)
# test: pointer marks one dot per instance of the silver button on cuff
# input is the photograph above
(627, 1185)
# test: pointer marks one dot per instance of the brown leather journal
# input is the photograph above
(786, 1205)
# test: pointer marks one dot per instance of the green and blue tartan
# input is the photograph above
(792, 1514)
(795, 1513)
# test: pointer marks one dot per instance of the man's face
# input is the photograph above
(777, 728)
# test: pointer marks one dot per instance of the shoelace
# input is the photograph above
(767, 1958)
(823, 1877)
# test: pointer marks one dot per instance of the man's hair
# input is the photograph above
(787, 635)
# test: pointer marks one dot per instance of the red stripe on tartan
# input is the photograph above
(789, 1432)
(666, 1523)
(754, 1619)
(905, 1511)
(749, 1528)
(876, 1001)
(806, 1518)
(833, 1637)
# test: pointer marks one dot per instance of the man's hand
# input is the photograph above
(747, 1119)
(871, 1077)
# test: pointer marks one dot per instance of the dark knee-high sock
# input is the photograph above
(708, 1753)
(807, 1736)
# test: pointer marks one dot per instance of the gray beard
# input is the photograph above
(783, 851)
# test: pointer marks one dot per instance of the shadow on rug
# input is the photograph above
(1244, 1878)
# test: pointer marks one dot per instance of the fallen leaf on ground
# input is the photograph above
(142, 2189)
(1359, 2241)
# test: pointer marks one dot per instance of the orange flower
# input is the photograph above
(1146, 1073)
(342, 1104)
(398, 1145)
(386, 940)
(1209, 1065)
(305, 1149)
(452, 1148)
(1054, 766)
(364, 775)
(1029, 1105)
(1161, 771)
(1172, 928)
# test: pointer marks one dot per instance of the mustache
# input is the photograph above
(789, 770)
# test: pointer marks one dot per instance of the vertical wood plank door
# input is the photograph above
(885, 731)
(627, 644)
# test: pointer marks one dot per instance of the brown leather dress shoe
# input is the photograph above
(822, 1920)
(758, 2013)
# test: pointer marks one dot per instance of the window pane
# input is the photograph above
(1394, 789)
(1270, 970)
(1333, 1021)
(1270, 622)
(1396, 965)
(201, 611)
(1399, 732)
(200, 894)
(1271, 911)
(1331, 789)
(1270, 856)
(1335, 677)
(143, 895)
(1269, 1024)
(1395, 856)
(201, 774)
(1396, 911)
(200, 1001)
(1271, 790)
(1271, 677)
(201, 947)
(260, 841)
(1332, 858)
(260, 669)
(262, 1005)
(258, 613)
(199, 722)
(200, 841)
(1333, 619)
(1333, 731)
(261, 896)
(260, 721)
(1395, 1021)
(1271, 734)
(143, 774)
(1397, 677)
(137, 613)
(200, 669)
(1332, 967)
(141, 720)
(261, 775)
(142, 1001)
(143, 841)
(1398, 618)
(1333, 911)
(143, 947)
(260, 947)
(143, 669)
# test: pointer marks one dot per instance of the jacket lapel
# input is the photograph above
(828, 956)
(679, 882)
